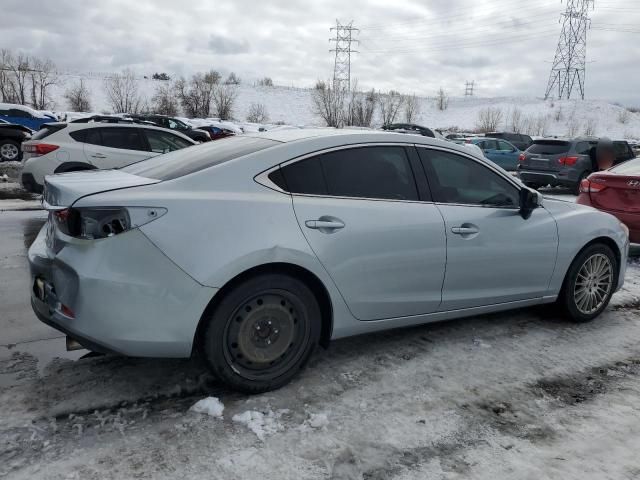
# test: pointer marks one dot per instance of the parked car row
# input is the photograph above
(257, 248)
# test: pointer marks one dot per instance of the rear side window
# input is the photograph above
(583, 148)
(549, 147)
(123, 138)
(184, 162)
(366, 172)
(622, 150)
(14, 112)
(46, 130)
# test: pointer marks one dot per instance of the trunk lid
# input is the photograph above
(544, 155)
(64, 189)
(621, 192)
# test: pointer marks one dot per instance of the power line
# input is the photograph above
(569, 63)
(342, 64)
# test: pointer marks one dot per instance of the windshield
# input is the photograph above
(186, 161)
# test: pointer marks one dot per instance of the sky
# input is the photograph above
(505, 46)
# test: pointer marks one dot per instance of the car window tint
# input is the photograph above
(621, 150)
(504, 146)
(186, 161)
(14, 112)
(369, 172)
(490, 145)
(582, 148)
(124, 138)
(549, 147)
(93, 136)
(305, 177)
(461, 180)
(165, 142)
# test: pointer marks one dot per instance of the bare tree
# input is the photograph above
(164, 101)
(77, 97)
(515, 121)
(329, 103)
(390, 105)
(122, 92)
(43, 77)
(232, 79)
(197, 94)
(265, 82)
(224, 97)
(590, 127)
(411, 108)
(573, 127)
(442, 100)
(624, 116)
(257, 113)
(489, 119)
(536, 125)
(361, 107)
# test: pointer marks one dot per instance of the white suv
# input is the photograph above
(62, 147)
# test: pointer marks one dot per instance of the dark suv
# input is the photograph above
(175, 124)
(518, 139)
(564, 162)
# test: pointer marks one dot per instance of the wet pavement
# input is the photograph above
(20, 330)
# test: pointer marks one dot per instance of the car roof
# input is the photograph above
(81, 126)
(347, 136)
(25, 108)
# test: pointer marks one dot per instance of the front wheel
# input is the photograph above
(590, 283)
(262, 333)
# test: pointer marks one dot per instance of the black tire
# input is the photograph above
(262, 333)
(576, 188)
(10, 147)
(570, 297)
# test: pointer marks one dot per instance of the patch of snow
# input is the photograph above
(262, 424)
(210, 406)
(318, 420)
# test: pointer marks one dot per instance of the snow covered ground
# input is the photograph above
(294, 106)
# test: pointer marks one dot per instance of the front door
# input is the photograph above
(494, 254)
(360, 211)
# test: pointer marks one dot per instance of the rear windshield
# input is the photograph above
(186, 161)
(47, 129)
(549, 147)
(630, 167)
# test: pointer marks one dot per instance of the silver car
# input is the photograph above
(256, 248)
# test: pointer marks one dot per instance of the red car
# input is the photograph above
(616, 191)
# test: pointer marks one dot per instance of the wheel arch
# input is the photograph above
(609, 242)
(296, 271)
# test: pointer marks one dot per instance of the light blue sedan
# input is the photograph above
(256, 248)
(500, 152)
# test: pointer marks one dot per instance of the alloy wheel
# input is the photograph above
(9, 152)
(593, 284)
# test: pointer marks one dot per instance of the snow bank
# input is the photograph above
(210, 406)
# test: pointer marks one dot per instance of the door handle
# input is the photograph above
(465, 230)
(98, 155)
(324, 224)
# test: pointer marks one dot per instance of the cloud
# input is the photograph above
(226, 45)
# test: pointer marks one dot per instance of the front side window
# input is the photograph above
(461, 180)
(124, 138)
(366, 172)
(165, 142)
(489, 145)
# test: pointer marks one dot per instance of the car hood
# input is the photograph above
(63, 190)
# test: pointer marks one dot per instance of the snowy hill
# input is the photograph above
(294, 106)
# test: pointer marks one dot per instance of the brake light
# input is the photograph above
(96, 223)
(522, 158)
(591, 186)
(38, 149)
(568, 161)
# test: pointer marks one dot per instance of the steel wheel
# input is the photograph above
(593, 284)
(9, 152)
(266, 335)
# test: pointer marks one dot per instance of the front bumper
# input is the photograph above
(125, 294)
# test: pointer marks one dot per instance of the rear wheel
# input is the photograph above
(590, 283)
(9, 151)
(262, 333)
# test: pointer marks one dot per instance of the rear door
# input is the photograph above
(115, 147)
(382, 242)
(494, 255)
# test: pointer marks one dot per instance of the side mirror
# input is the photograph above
(529, 201)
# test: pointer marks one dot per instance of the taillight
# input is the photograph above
(568, 161)
(522, 158)
(96, 223)
(38, 149)
(591, 186)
